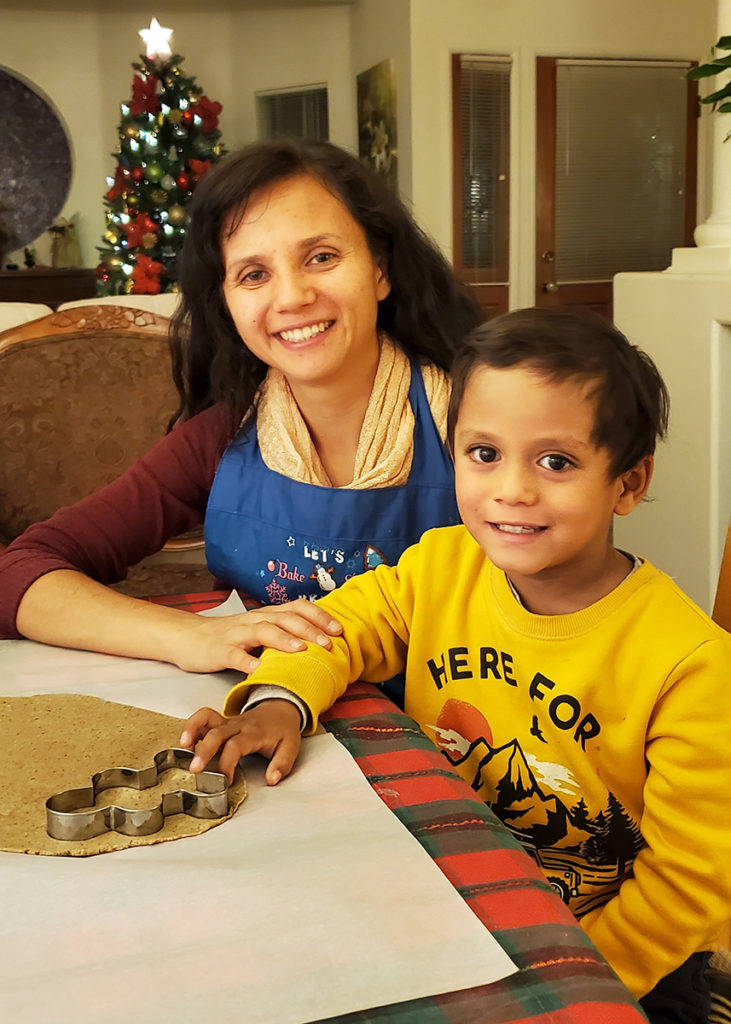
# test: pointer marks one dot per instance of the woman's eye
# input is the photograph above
(557, 463)
(323, 257)
(253, 277)
(483, 453)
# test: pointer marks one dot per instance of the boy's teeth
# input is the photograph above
(508, 528)
(303, 333)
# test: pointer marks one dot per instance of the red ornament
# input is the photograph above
(208, 111)
(198, 168)
(183, 180)
(187, 117)
(101, 272)
(146, 276)
(144, 95)
(137, 173)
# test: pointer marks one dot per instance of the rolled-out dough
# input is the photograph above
(53, 742)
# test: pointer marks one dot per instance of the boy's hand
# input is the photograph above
(271, 728)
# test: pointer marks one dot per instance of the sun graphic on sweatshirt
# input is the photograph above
(458, 726)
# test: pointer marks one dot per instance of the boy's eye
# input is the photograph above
(483, 453)
(557, 463)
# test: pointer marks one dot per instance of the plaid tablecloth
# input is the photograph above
(561, 979)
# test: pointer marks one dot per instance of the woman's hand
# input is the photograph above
(271, 728)
(211, 643)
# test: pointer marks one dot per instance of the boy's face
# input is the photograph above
(533, 489)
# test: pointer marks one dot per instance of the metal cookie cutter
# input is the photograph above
(65, 820)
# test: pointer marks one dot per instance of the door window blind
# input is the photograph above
(484, 156)
(620, 166)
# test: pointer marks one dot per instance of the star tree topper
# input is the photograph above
(157, 39)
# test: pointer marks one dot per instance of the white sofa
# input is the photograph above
(12, 314)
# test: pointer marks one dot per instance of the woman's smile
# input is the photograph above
(295, 334)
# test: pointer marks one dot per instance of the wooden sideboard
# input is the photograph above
(48, 285)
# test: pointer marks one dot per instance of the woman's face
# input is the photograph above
(302, 285)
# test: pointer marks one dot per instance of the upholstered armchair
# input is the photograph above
(83, 393)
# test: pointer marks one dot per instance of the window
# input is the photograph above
(481, 113)
(297, 113)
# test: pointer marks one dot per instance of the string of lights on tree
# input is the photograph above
(168, 139)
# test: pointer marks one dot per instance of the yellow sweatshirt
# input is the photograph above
(602, 738)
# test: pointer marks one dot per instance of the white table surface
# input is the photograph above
(311, 901)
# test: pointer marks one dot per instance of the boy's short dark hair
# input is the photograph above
(631, 398)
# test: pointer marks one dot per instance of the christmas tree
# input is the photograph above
(168, 139)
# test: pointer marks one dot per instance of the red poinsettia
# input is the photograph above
(141, 225)
(208, 111)
(146, 276)
(144, 95)
(121, 184)
(198, 168)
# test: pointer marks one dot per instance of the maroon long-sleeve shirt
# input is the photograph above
(162, 495)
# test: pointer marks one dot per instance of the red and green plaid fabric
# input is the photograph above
(562, 978)
(202, 602)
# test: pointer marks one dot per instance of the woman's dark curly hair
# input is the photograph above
(427, 312)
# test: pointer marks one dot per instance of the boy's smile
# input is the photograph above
(534, 490)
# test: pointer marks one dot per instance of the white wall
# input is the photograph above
(288, 48)
(683, 319)
(82, 59)
(381, 29)
(59, 53)
(523, 30)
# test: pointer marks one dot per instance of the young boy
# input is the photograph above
(574, 686)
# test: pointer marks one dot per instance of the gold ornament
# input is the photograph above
(174, 287)
(159, 196)
(132, 200)
(129, 286)
(177, 215)
(175, 116)
(149, 239)
(111, 235)
(115, 262)
(131, 131)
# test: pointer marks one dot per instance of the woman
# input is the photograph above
(309, 351)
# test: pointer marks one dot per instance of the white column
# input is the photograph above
(717, 229)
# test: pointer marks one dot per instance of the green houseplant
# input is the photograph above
(721, 98)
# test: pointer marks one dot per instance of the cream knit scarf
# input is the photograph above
(385, 446)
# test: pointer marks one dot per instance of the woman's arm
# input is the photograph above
(163, 494)
(51, 576)
(67, 609)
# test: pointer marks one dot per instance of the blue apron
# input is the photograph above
(278, 539)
